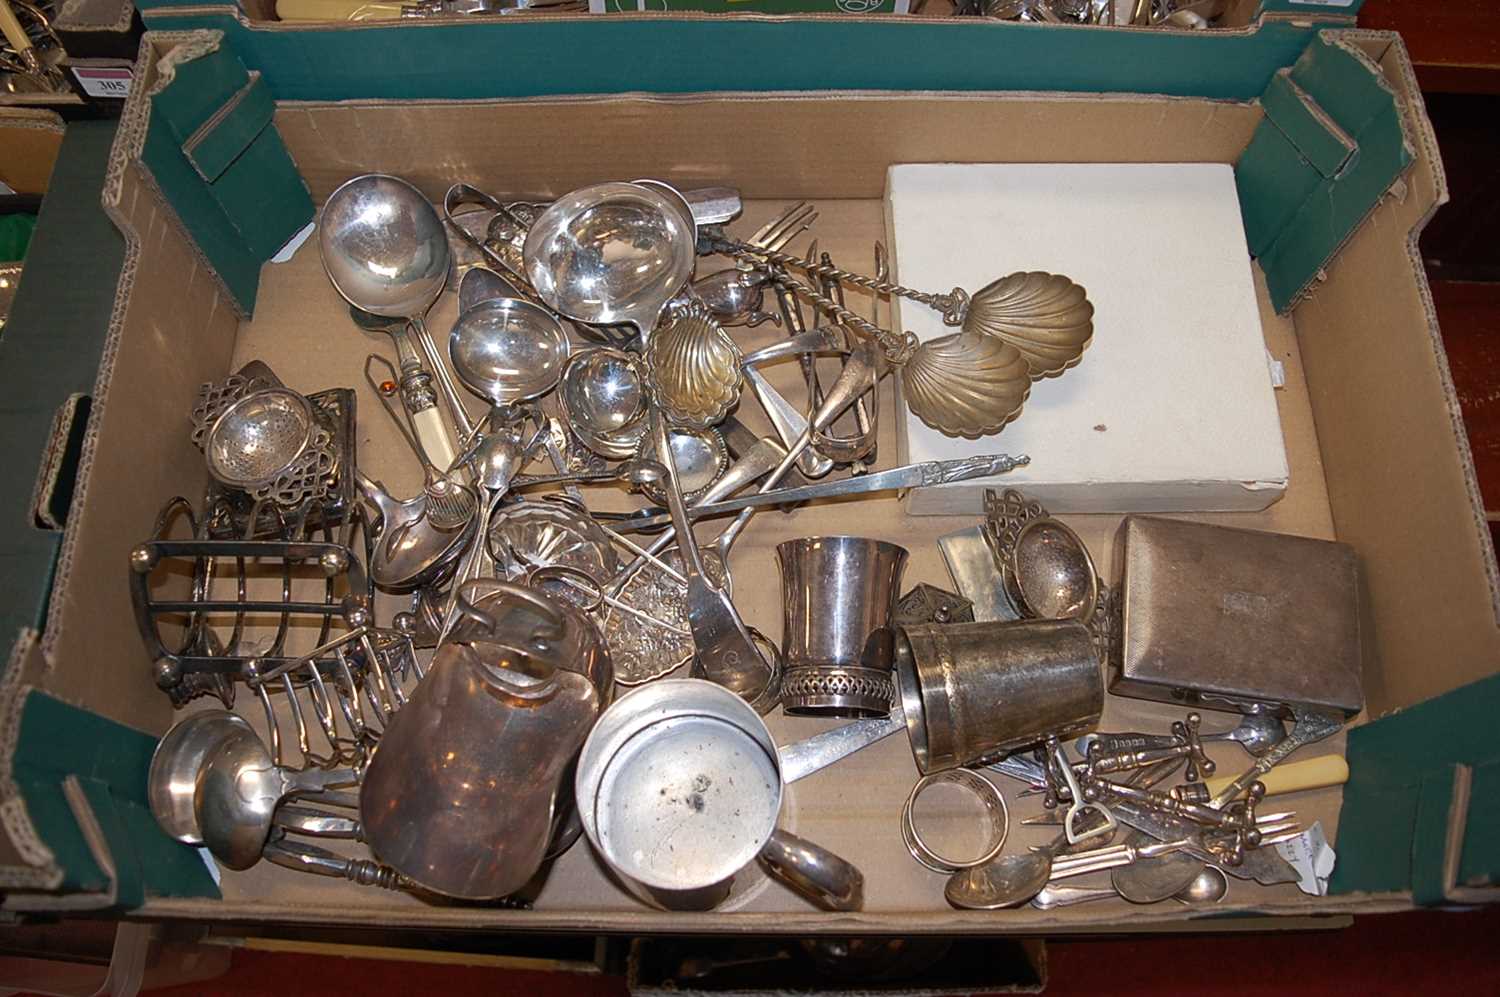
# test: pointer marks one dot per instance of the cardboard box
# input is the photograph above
(1378, 458)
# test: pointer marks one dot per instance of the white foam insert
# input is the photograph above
(1171, 408)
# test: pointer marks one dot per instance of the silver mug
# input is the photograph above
(838, 596)
(972, 692)
(679, 787)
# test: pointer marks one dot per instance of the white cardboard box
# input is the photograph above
(1171, 408)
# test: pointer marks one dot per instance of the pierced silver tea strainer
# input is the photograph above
(268, 444)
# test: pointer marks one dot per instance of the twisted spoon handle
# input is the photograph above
(953, 305)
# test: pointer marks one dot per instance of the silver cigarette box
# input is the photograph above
(1225, 618)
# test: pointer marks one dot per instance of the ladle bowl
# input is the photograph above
(172, 781)
(384, 247)
(238, 792)
(507, 350)
(610, 254)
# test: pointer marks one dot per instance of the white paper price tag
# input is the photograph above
(98, 81)
(1310, 855)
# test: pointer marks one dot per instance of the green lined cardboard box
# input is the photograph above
(1337, 173)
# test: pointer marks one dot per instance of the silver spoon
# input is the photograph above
(385, 250)
(1209, 886)
(239, 790)
(1006, 881)
(172, 781)
(1257, 733)
(1150, 880)
(409, 551)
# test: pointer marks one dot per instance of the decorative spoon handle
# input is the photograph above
(953, 305)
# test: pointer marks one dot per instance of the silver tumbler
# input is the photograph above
(838, 595)
(974, 691)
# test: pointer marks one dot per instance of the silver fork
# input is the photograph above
(776, 233)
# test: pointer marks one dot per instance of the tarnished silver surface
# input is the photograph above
(1045, 568)
(679, 787)
(693, 367)
(972, 691)
(462, 794)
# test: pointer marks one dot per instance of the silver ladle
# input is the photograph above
(238, 792)
(610, 254)
(172, 781)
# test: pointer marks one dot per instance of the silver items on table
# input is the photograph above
(1045, 569)
(1260, 619)
(679, 788)
(610, 254)
(990, 800)
(462, 796)
(972, 691)
(837, 596)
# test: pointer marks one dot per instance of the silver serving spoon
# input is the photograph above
(385, 250)
(239, 790)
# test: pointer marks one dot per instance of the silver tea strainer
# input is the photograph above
(268, 444)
